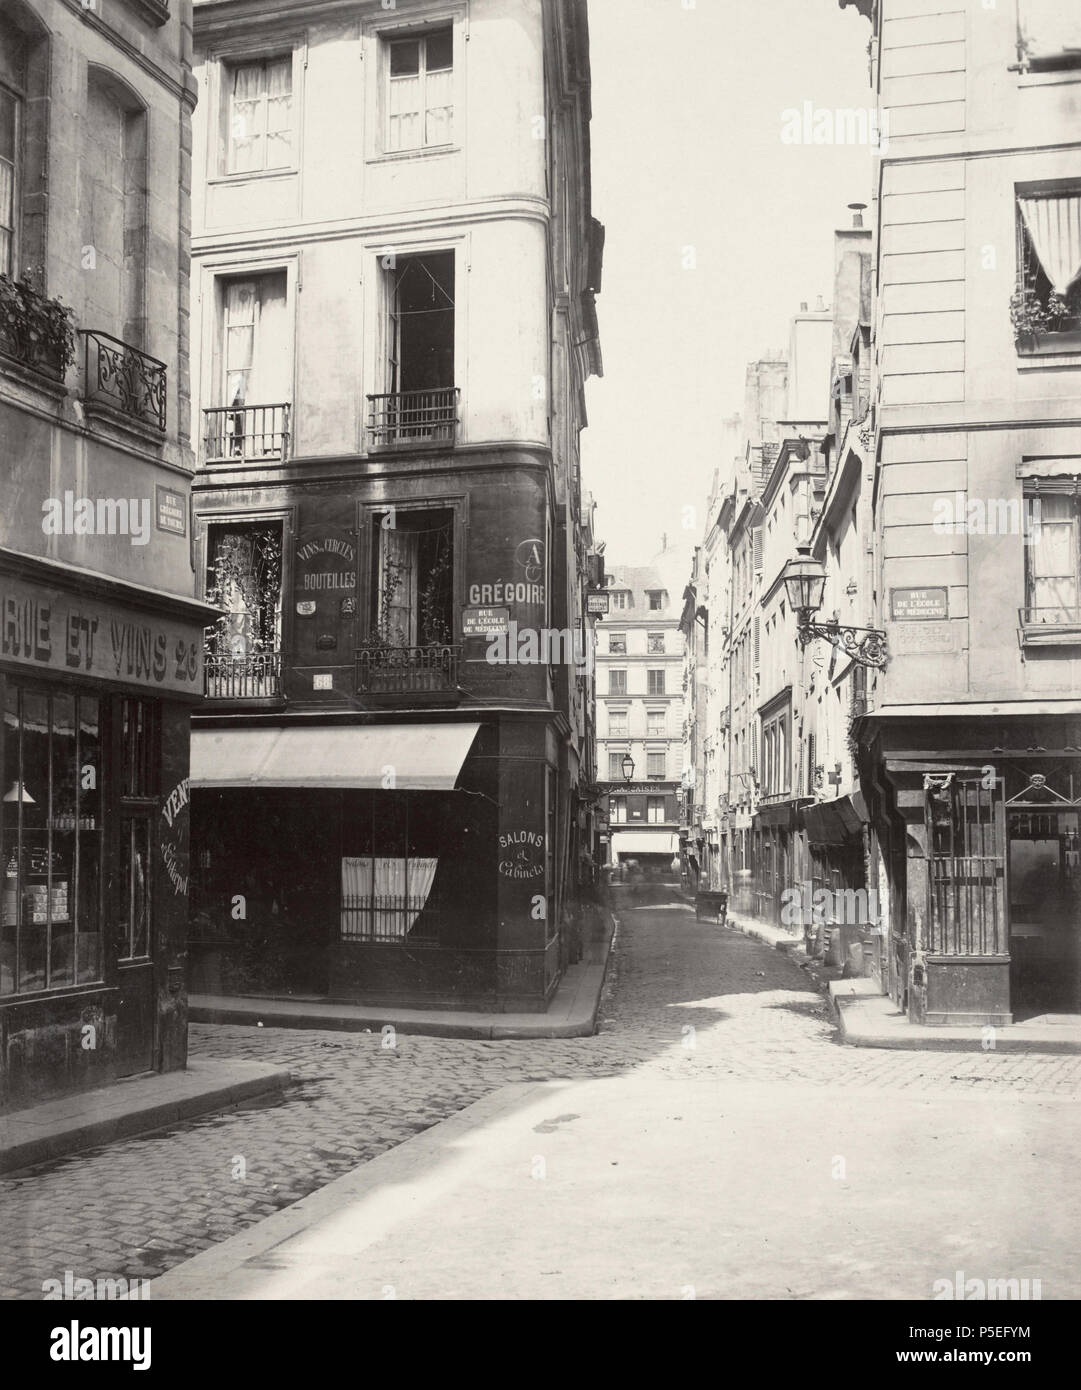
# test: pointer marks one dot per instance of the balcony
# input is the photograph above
(425, 675)
(1049, 627)
(126, 384)
(410, 418)
(246, 434)
(254, 677)
(35, 332)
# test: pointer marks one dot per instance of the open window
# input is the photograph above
(420, 404)
(1046, 307)
(254, 370)
(244, 577)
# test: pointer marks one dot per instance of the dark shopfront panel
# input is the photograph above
(93, 829)
(379, 894)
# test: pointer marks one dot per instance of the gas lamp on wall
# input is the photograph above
(627, 765)
(805, 583)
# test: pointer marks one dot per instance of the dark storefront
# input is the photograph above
(96, 684)
(980, 831)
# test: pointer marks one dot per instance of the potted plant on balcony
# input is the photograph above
(34, 330)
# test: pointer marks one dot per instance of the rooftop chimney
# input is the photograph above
(820, 307)
(803, 306)
(856, 209)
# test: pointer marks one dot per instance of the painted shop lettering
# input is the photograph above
(176, 800)
(326, 546)
(508, 592)
(341, 580)
(138, 652)
(25, 629)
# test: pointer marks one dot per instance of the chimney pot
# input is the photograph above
(803, 306)
(856, 210)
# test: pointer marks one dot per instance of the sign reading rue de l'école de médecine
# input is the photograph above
(86, 636)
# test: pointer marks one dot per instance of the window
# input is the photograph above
(656, 764)
(1052, 559)
(617, 682)
(1049, 35)
(255, 371)
(421, 402)
(655, 682)
(617, 643)
(420, 106)
(655, 810)
(50, 904)
(655, 642)
(244, 576)
(413, 587)
(10, 119)
(621, 599)
(776, 777)
(656, 723)
(260, 114)
(1048, 296)
(615, 767)
(617, 723)
(656, 598)
(619, 810)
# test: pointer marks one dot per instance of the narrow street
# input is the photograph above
(684, 1001)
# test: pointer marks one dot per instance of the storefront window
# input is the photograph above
(51, 834)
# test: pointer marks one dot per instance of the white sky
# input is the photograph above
(687, 151)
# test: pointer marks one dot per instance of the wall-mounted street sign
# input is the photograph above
(484, 622)
(923, 605)
(172, 510)
(597, 604)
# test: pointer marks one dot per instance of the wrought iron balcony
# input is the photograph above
(35, 331)
(414, 417)
(246, 433)
(254, 677)
(124, 379)
(400, 672)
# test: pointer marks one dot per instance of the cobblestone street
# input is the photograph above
(700, 1002)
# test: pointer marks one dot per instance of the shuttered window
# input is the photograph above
(966, 839)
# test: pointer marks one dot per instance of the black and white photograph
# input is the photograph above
(540, 666)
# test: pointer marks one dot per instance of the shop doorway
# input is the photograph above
(1045, 912)
(136, 1012)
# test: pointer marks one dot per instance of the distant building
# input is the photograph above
(640, 711)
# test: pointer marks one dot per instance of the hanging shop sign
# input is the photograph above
(919, 605)
(597, 604)
(484, 622)
(50, 630)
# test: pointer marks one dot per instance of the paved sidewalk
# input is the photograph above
(667, 1185)
(867, 1018)
(571, 1014)
(135, 1105)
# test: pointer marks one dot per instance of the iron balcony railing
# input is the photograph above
(255, 677)
(1036, 617)
(414, 417)
(408, 670)
(123, 378)
(248, 433)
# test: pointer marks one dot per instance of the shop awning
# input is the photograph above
(421, 757)
(632, 842)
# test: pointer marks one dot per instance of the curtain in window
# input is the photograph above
(247, 119)
(403, 97)
(279, 113)
(398, 587)
(421, 878)
(439, 117)
(258, 360)
(356, 899)
(1049, 27)
(1054, 226)
(1053, 560)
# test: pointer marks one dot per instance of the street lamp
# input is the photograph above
(628, 767)
(805, 583)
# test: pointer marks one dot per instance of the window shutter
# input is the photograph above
(758, 547)
(756, 643)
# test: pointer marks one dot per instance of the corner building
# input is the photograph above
(395, 265)
(101, 648)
